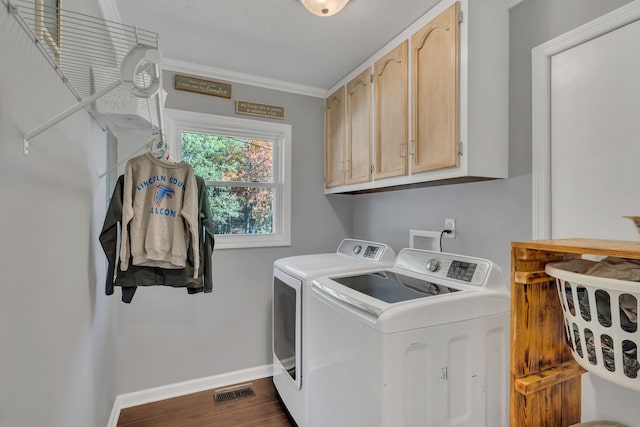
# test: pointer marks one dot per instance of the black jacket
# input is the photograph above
(154, 276)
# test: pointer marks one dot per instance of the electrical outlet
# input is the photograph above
(450, 224)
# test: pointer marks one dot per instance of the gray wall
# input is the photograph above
(166, 336)
(57, 355)
(490, 215)
(59, 333)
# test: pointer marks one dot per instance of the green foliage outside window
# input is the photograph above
(234, 163)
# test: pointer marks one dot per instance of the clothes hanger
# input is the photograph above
(159, 148)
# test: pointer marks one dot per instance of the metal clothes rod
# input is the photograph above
(60, 117)
(148, 145)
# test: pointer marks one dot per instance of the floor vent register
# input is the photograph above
(236, 392)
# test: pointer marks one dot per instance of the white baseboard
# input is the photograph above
(128, 400)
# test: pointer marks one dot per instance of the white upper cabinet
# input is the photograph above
(434, 55)
(449, 122)
(335, 135)
(359, 122)
(391, 75)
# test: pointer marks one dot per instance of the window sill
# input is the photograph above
(225, 241)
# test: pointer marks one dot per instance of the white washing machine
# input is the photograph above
(424, 343)
(292, 278)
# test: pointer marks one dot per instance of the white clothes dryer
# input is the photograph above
(292, 278)
(424, 343)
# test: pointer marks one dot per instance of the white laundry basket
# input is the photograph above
(600, 325)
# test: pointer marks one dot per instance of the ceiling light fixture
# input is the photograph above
(324, 7)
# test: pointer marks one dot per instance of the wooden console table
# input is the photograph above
(545, 379)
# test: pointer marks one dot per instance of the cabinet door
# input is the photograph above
(359, 119)
(335, 138)
(391, 93)
(434, 51)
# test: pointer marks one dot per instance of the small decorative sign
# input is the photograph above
(206, 87)
(255, 109)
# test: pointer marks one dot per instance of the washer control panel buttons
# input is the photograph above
(433, 265)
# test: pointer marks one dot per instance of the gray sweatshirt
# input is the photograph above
(159, 214)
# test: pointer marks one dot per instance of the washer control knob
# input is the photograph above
(433, 265)
(357, 249)
(433, 289)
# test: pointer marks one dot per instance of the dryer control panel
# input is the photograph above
(365, 250)
(467, 270)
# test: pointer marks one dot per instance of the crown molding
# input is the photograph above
(177, 65)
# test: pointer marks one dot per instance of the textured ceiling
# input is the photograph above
(275, 39)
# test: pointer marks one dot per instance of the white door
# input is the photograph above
(595, 137)
(595, 166)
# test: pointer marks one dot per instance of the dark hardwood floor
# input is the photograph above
(199, 410)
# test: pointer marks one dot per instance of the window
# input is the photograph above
(246, 165)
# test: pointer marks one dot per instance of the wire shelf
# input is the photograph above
(90, 54)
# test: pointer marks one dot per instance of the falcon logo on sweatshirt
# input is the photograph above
(163, 191)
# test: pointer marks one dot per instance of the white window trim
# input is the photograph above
(179, 121)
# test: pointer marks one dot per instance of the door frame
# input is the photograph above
(541, 105)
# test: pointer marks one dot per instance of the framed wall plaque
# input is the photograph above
(203, 86)
(256, 109)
